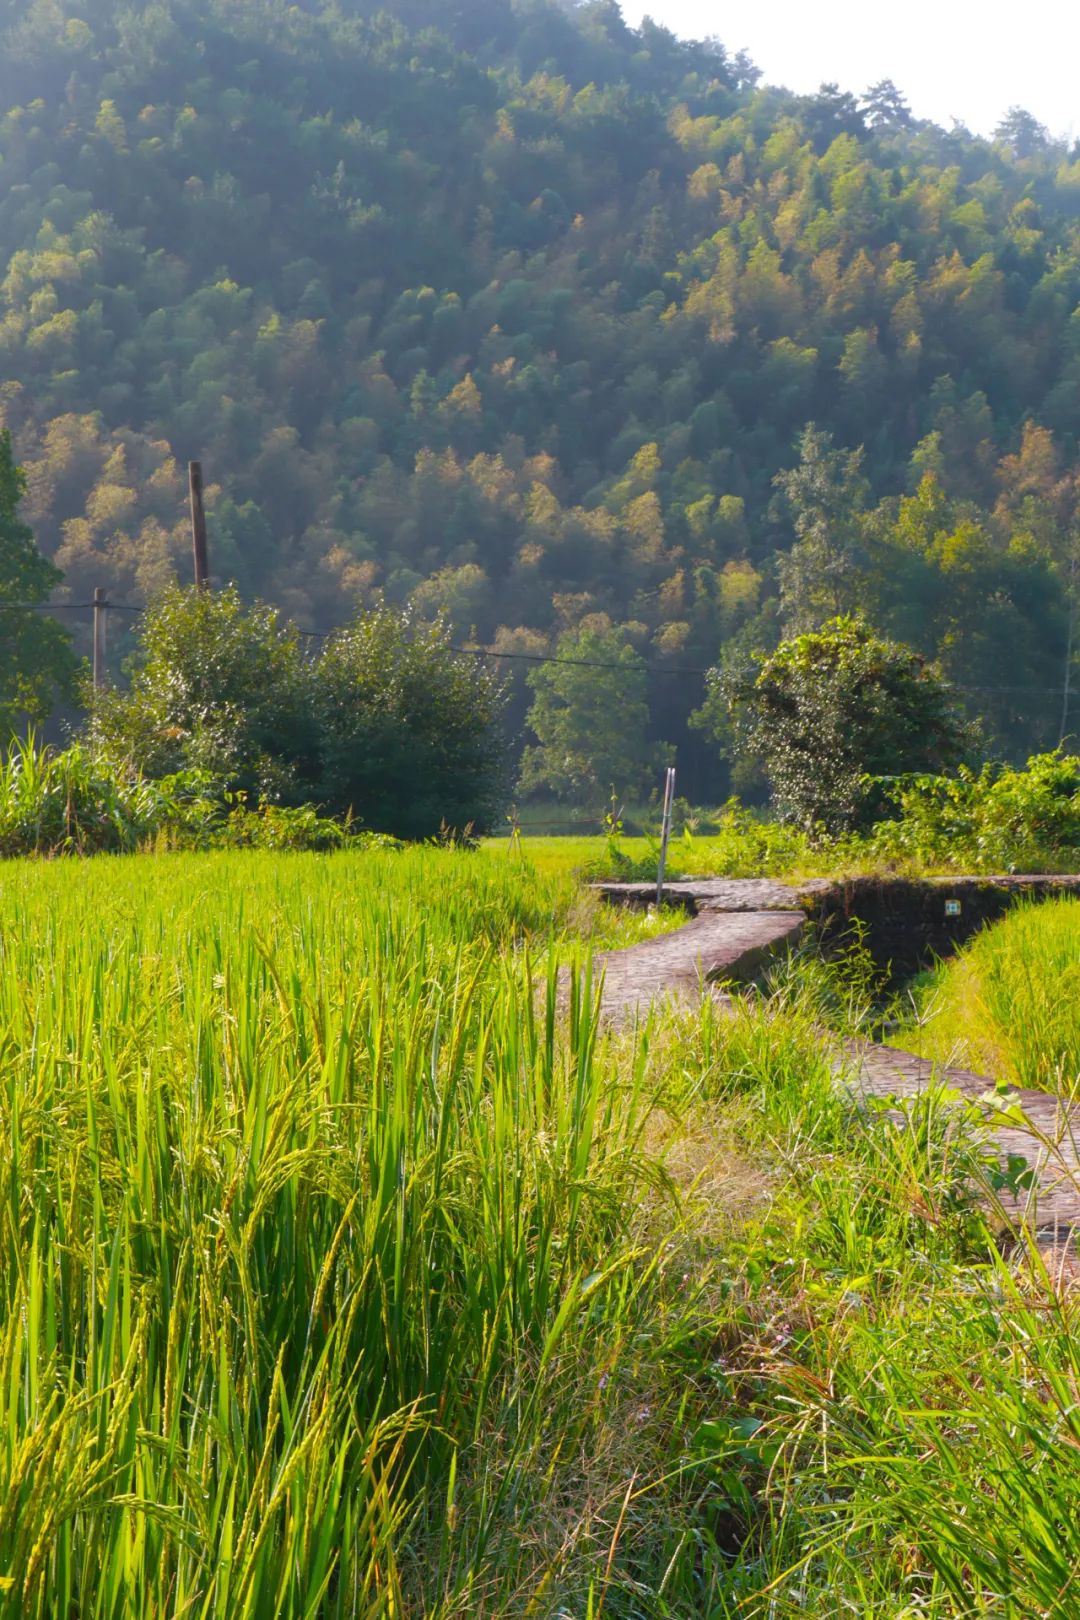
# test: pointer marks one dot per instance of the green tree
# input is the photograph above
(590, 715)
(822, 575)
(885, 108)
(826, 710)
(409, 731)
(36, 663)
(220, 687)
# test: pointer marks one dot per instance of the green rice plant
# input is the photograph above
(1009, 1005)
(350, 1267)
(319, 1217)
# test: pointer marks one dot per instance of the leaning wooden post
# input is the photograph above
(665, 832)
(198, 525)
(101, 607)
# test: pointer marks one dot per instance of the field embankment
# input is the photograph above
(1009, 1004)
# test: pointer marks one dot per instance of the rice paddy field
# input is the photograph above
(349, 1267)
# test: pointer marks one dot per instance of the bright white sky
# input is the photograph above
(968, 60)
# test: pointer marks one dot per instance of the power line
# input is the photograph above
(68, 607)
(499, 653)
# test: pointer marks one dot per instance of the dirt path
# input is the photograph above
(736, 925)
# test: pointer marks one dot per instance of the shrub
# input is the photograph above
(994, 818)
(217, 687)
(826, 711)
(409, 732)
(389, 725)
(75, 803)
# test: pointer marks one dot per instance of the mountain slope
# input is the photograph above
(519, 311)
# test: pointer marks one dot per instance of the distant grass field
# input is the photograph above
(753, 849)
(1009, 1005)
(349, 1270)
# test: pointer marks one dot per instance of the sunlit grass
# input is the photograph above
(349, 1270)
(1009, 1005)
(324, 1232)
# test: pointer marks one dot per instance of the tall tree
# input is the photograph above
(36, 664)
(825, 711)
(821, 576)
(590, 715)
(885, 108)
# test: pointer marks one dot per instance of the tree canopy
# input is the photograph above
(831, 708)
(520, 313)
(36, 664)
(386, 723)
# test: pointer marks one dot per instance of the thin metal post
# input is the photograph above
(198, 524)
(101, 608)
(665, 833)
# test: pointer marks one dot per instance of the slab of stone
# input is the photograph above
(1048, 1138)
(714, 945)
(720, 894)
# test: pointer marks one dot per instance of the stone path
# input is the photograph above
(737, 924)
(714, 945)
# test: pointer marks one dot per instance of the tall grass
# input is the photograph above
(1009, 1005)
(351, 1269)
(317, 1222)
(60, 803)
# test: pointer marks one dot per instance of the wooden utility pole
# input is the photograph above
(198, 525)
(101, 608)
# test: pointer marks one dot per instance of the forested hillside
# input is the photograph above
(518, 312)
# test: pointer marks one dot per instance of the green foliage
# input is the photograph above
(590, 715)
(523, 310)
(996, 819)
(409, 732)
(218, 687)
(822, 577)
(36, 664)
(76, 802)
(828, 709)
(387, 724)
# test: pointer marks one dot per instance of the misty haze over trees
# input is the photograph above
(576, 333)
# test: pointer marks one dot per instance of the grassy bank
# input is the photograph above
(1009, 1004)
(348, 1271)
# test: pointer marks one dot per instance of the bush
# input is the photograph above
(995, 818)
(389, 725)
(75, 803)
(827, 711)
(409, 732)
(217, 687)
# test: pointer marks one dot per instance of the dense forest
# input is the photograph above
(567, 329)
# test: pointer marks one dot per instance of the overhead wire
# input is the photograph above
(496, 653)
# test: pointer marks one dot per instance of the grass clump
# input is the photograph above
(1009, 1005)
(333, 1272)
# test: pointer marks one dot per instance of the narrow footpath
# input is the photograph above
(736, 925)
